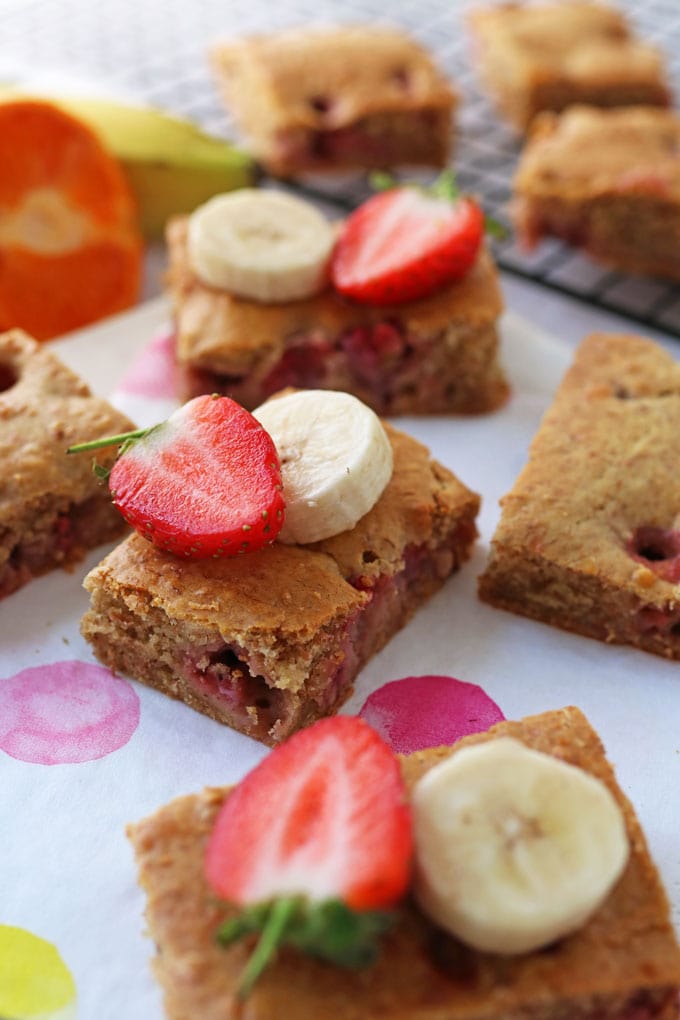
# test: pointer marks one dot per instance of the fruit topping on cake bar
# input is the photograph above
(314, 847)
(506, 876)
(396, 305)
(407, 243)
(206, 482)
(261, 634)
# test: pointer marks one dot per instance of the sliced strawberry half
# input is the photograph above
(314, 846)
(406, 243)
(206, 482)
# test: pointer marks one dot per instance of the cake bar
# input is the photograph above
(272, 640)
(589, 536)
(624, 964)
(435, 355)
(324, 99)
(607, 181)
(53, 509)
(548, 56)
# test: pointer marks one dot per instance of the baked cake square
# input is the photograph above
(589, 536)
(438, 354)
(271, 641)
(624, 964)
(53, 509)
(325, 99)
(607, 181)
(547, 56)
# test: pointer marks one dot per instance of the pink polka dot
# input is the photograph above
(66, 712)
(428, 711)
(152, 374)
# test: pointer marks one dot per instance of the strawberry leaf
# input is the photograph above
(381, 181)
(445, 186)
(494, 229)
(333, 931)
(329, 930)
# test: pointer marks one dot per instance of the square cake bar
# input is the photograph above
(589, 536)
(53, 508)
(435, 355)
(624, 964)
(547, 56)
(607, 181)
(270, 641)
(325, 99)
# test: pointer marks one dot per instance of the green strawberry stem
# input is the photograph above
(98, 444)
(493, 228)
(329, 930)
(270, 939)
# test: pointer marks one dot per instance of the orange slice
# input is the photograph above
(70, 247)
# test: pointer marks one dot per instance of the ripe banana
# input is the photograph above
(335, 457)
(514, 848)
(262, 245)
(171, 164)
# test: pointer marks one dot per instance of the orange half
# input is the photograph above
(70, 246)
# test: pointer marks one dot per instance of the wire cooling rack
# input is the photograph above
(156, 50)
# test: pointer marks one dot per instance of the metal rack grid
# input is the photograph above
(156, 51)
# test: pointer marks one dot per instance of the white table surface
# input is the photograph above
(66, 870)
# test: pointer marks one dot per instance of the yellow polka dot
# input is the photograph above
(35, 982)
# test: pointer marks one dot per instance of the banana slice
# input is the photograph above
(335, 457)
(262, 245)
(514, 848)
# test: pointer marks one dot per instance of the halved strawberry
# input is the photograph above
(313, 846)
(206, 482)
(406, 243)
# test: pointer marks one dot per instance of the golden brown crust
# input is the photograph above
(44, 408)
(363, 67)
(601, 465)
(586, 153)
(295, 83)
(607, 181)
(415, 510)
(627, 953)
(551, 55)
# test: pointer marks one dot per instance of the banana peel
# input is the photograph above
(172, 165)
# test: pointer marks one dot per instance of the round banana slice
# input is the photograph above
(335, 457)
(262, 245)
(514, 848)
